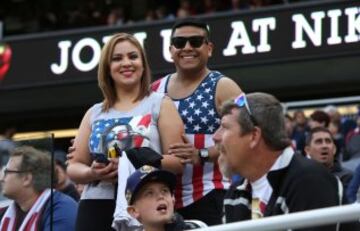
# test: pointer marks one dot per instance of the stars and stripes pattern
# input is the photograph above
(198, 112)
(108, 129)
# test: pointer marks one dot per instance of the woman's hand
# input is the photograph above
(105, 172)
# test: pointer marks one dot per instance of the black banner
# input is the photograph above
(281, 34)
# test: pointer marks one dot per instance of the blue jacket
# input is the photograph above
(64, 213)
(353, 186)
(64, 210)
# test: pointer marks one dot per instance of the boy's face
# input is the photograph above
(154, 204)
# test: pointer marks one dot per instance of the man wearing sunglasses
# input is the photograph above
(253, 142)
(198, 93)
(26, 180)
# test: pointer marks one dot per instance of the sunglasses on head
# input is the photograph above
(195, 41)
(241, 101)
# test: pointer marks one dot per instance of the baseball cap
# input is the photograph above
(144, 175)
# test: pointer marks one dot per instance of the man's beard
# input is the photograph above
(224, 166)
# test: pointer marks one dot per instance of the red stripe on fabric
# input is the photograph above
(178, 193)
(155, 85)
(145, 121)
(6, 224)
(262, 206)
(217, 177)
(197, 179)
(15, 222)
(37, 221)
(31, 222)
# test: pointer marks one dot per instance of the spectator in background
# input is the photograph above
(162, 13)
(55, 15)
(116, 17)
(27, 181)
(289, 126)
(319, 119)
(6, 143)
(253, 142)
(64, 184)
(198, 93)
(335, 127)
(320, 147)
(185, 9)
(182, 13)
(353, 190)
(349, 125)
(352, 147)
(300, 129)
(333, 113)
(150, 15)
(355, 131)
(300, 119)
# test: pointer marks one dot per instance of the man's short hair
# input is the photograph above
(311, 133)
(36, 162)
(269, 116)
(321, 117)
(191, 21)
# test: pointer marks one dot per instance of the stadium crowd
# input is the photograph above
(25, 16)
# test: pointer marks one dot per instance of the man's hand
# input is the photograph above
(185, 151)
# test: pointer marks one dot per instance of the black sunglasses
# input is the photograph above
(195, 41)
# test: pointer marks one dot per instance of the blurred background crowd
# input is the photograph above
(32, 16)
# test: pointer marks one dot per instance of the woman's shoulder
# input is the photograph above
(95, 110)
(97, 106)
(155, 96)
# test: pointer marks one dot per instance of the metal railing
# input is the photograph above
(322, 102)
(311, 218)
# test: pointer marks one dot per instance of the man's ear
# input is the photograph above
(173, 199)
(133, 212)
(171, 54)
(211, 48)
(28, 179)
(255, 137)
(307, 150)
(335, 149)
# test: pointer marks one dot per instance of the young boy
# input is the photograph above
(150, 195)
